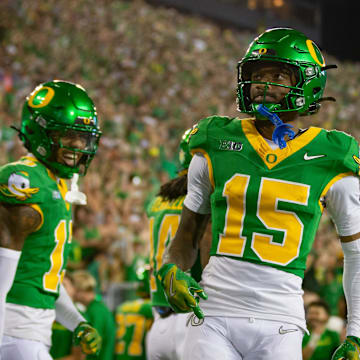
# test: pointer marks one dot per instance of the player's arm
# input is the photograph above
(183, 249)
(16, 223)
(181, 289)
(68, 315)
(343, 204)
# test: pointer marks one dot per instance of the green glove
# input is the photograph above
(88, 338)
(181, 290)
(348, 350)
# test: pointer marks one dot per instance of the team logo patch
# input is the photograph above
(84, 121)
(263, 51)
(230, 145)
(18, 186)
(271, 158)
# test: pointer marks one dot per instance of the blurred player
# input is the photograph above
(266, 184)
(322, 342)
(96, 312)
(164, 218)
(60, 130)
(133, 320)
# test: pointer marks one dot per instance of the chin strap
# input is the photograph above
(74, 196)
(281, 129)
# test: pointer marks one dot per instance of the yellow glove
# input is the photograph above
(348, 350)
(181, 290)
(88, 338)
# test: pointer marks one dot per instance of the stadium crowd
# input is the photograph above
(152, 73)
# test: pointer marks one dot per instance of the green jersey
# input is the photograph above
(164, 219)
(133, 320)
(44, 254)
(100, 317)
(266, 203)
(326, 345)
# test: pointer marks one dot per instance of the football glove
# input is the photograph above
(88, 338)
(181, 290)
(348, 350)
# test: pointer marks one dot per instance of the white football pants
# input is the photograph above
(231, 338)
(13, 348)
(165, 340)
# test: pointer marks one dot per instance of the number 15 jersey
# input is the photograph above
(266, 205)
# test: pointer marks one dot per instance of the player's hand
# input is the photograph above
(181, 290)
(348, 350)
(88, 338)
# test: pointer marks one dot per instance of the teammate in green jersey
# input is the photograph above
(133, 321)
(96, 312)
(59, 128)
(266, 182)
(164, 217)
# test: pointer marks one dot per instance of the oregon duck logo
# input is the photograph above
(315, 52)
(18, 186)
(41, 97)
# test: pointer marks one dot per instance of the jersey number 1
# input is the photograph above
(52, 278)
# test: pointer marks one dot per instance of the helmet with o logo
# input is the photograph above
(296, 52)
(53, 110)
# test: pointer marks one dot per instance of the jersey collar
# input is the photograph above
(272, 157)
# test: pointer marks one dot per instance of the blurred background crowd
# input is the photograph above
(152, 72)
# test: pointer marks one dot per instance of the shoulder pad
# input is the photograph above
(199, 133)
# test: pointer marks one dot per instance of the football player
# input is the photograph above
(266, 183)
(164, 217)
(133, 321)
(60, 130)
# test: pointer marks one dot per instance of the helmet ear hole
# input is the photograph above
(316, 90)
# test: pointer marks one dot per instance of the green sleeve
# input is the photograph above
(198, 136)
(20, 184)
(351, 159)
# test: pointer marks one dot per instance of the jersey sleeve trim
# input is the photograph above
(38, 210)
(330, 183)
(207, 157)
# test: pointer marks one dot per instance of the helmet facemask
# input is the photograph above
(82, 155)
(293, 101)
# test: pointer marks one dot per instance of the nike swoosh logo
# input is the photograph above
(312, 157)
(172, 292)
(283, 331)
